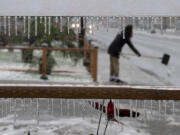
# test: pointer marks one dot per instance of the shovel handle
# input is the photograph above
(146, 56)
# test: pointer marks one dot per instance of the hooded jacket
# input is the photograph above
(117, 44)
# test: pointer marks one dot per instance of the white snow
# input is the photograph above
(70, 126)
(147, 44)
(89, 8)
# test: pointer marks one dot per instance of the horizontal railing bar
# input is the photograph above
(37, 70)
(21, 48)
(48, 48)
(90, 92)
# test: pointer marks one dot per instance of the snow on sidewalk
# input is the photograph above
(138, 66)
(128, 71)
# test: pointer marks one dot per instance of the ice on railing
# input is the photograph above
(37, 112)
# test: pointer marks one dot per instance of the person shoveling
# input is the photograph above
(114, 51)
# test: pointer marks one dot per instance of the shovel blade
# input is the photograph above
(165, 59)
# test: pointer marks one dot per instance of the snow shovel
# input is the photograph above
(164, 59)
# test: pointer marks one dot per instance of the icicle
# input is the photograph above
(5, 31)
(130, 108)
(107, 24)
(2, 108)
(84, 108)
(35, 25)
(145, 113)
(123, 27)
(24, 101)
(40, 19)
(165, 108)
(45, 25)
(147, 23)
(175, 19)
(97, 23)
(151, 107)
(49, 18)
(152, 23)
(6, 112)
(29, 26)
(84, 21)
(92, 24)
(74, 107)
(76, 22)
(9, 25)
(79, 21)
(10, 103)
(159, 109)
(61, 24)
(134, 22)
(48, 105)
(6, 104)
(24, 24)
(15, 113)
(0, 25)
(37, 109)
(161, 25)
(61, 109)
(130, 20)
(170, 22)
(56, 20)
(136, 107)
(173, 108)
(15, 25)
(52, 109)
(143, 20)
(119, 24)
(138, 23)
(68, 24)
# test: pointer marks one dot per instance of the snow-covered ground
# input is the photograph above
(138, 69)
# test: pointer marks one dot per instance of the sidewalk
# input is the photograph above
(128, 72)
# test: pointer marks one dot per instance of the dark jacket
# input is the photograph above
(117, 44)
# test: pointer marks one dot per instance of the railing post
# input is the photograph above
(44, 60)
(93, 63)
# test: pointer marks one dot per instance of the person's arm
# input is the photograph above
(133, 48)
